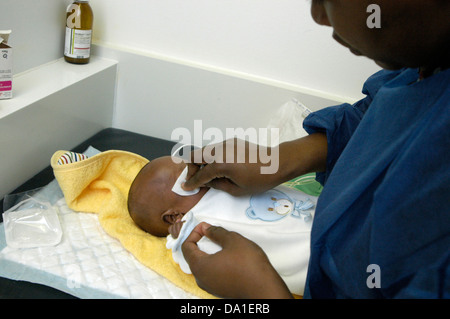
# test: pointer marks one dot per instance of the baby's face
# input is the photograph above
(152, 204)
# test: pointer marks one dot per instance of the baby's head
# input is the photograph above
(152, 204)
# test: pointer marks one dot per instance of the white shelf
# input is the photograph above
(54, 106)
(45, 80)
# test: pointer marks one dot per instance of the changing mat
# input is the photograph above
(87, 263)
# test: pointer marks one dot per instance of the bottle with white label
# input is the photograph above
(79, 21)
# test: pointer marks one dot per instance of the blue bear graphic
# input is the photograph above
(274, 205)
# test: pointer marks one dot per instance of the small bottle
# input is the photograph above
(79, 21)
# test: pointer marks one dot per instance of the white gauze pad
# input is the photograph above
(177, 186)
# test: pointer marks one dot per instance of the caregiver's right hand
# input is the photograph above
(233, 166)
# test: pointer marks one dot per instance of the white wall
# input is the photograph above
(275, 40)
(37, 30)
(156, 96)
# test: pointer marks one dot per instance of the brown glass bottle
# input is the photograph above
(79, 22)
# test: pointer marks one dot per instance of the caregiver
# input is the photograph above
(384, 162)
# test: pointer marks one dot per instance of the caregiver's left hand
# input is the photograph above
(240, 270)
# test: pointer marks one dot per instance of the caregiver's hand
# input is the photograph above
(240, 270)
(239, 167)
(233, 166)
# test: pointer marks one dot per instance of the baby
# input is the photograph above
(278, 220)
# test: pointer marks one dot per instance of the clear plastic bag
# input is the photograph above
(30, 221)
(288, 119)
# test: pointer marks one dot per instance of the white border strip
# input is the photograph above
(229, 72)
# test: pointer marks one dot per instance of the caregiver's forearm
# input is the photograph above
(301, 156)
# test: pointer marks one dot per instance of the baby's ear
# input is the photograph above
(171, 216)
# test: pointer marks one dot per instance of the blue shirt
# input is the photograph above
(382, 222)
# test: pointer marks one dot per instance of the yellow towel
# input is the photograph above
(100, 184)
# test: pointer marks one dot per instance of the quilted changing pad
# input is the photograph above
(86, 263)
